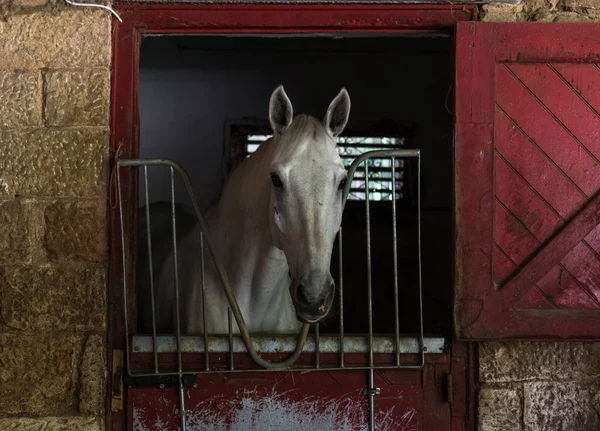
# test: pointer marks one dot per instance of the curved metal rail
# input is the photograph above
(237, 314)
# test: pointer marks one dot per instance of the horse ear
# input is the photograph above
(281, 112)
(338, 113)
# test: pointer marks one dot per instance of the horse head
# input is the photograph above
(307, 179)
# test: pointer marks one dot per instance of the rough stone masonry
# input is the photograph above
(54, 130)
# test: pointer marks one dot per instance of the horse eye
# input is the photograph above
(343, 184)
(276, 180)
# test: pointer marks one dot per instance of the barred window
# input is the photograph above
(349, 148)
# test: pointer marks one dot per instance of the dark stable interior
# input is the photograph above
(193, 87)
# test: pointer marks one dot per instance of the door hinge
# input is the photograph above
(117, 381)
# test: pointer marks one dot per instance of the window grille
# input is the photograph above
(349, 148)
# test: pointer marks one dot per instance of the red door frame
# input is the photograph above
(141, 20)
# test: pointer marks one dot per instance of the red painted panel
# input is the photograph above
(524, 202)
(511, 236)
(584, 79)
(534, 299)
(503, 266)
(593, 239)
(567, 238)
(565, 291)
(273, 403)
(584, 264)
(533, 120)
(535, 168)
(570, 110)
(536, 96)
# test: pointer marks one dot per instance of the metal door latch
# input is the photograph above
(371, 392)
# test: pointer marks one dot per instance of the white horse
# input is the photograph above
(273, 228)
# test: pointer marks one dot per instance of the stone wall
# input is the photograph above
(539, 386)
(54, 130)
(543, 11)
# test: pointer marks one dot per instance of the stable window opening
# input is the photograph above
(203, 102)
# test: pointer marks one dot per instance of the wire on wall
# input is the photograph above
(108, 8)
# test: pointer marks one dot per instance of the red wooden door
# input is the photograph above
(527, 167)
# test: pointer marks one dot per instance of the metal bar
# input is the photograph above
(395, 253)
(177, 316)
(126, 319)
(369, 302)
(383, 153)
(317, 340)
(328, 344)
(419, 248)
(205, 329)
(149, 234)
(379, 146)
(300, 369)
(371, 400)
(369, 270)
(221, 270)
(230, 325)
(341, 293)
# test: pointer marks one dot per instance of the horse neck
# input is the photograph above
(242, 234)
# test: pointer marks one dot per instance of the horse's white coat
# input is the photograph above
(279, 213)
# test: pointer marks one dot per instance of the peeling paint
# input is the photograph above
(258, 408)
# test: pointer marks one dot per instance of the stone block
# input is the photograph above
(499, 410)
(75, 231)
(572, 17)
(72, 38)
(47, 162)
(29, 3)
(53, 299)
(93, 377)
(588, 4)
(572, 406)
(21, 99)
(38, 373)
(15, 243)
(52, 424)
(501, 362)
(499, 13)
(77, 97)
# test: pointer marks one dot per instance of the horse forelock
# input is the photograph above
(304, 133)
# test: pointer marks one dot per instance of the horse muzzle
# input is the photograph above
(311, 300)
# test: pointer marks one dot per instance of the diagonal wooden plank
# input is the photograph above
(502, 266)
(524, 202)
(584, 78)
(585, 267)
(555, 142)
(535, 168)
(566, 106)
(511, 236)
(535, 299)
(555, 249)
(565, 291)
(593, 239)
